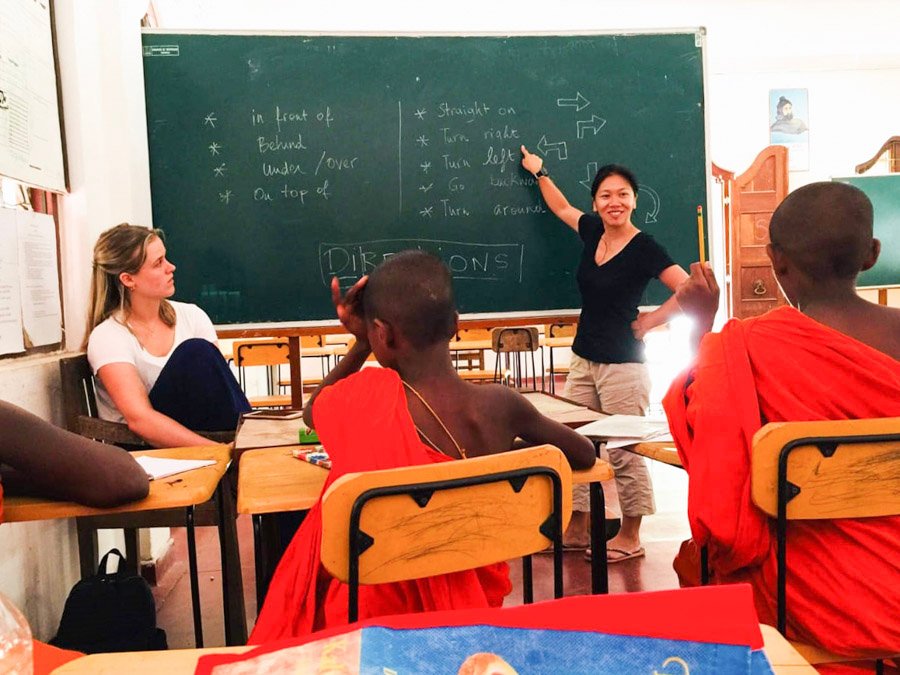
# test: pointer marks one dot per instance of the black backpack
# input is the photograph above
(110, 613)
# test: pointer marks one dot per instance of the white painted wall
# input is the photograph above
(846, 54)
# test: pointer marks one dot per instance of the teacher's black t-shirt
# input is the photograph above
(610, 294)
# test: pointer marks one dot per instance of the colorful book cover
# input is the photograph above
(703, 630)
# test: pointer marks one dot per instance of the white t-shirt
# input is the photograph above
(112, 342)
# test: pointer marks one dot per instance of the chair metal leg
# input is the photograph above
(552, 374)
(534, 375)
(599, 571)
(527, 581)
(195, 581)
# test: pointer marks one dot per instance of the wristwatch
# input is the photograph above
(541, 172)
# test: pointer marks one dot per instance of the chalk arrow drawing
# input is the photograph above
(654, 197)
(591, 169)
(595, 124)
(579, 102)
(560, 148)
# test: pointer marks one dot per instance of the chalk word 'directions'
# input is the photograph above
(466, 260)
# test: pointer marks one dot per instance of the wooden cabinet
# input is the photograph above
(750, 200)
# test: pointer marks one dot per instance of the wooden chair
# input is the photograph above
(469, 363)
(271, 353)
(80, 410)
(555, 334)
(823, 470)
(420, 521)
(511, 345)
(312, 347)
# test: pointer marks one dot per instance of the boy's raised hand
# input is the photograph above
(349, 307)
(698, 295)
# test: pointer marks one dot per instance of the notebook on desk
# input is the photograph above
(622, 430)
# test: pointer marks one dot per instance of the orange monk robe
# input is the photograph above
(364, 424)
(843, 589)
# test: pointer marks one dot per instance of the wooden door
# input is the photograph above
(754, 196)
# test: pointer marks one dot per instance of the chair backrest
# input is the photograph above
(822, 470)
(80, 409)
(836, 469)
(419, 521)
(272, 352)
(312, 341)
(524, 339)
(560, 329)
(472, 334)
(80, 405)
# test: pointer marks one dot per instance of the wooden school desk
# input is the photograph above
(784, 659)
(662, 452)
(272, 480)
(184, 490)
(268, 433)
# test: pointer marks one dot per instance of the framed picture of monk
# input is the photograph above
(788, 125)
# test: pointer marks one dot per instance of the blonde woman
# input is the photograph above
(156, 360)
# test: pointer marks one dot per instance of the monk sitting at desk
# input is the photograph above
(830, 356)
(415, 410)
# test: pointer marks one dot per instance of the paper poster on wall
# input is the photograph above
(31, 148)
(38, 278)
(10, 297)
(788, 116)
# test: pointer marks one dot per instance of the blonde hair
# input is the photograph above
(122, 248)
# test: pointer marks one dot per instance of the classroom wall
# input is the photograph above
(846, 54)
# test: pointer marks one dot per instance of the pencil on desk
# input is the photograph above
(700, 233)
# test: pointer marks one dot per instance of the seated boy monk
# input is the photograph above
(415, 410)
(830, 356)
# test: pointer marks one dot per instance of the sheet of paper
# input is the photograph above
(635, 427)
(664, 437)
(39, 278)
(10, 296)
(162, 467)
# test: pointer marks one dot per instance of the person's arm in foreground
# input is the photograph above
(53, 462)
(698, 297)
(536, 429)
(349, 312)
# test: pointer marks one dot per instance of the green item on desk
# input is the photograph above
(308, 436)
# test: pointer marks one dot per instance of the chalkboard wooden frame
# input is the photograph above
(236, 282)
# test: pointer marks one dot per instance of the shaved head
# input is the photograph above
(825, 229)
(412, 291)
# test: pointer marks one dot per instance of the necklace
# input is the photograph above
(459, 449)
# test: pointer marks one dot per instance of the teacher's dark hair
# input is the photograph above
(412, 291)
(608, 170)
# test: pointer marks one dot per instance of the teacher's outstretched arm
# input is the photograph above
(553, 196)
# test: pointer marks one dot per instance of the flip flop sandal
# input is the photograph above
(623, 554)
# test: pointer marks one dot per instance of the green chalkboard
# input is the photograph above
(277, 161)
(884, 191)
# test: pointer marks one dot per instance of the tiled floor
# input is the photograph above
(661, 534)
